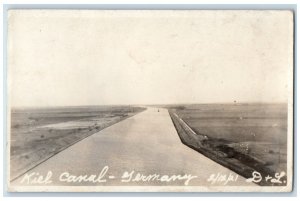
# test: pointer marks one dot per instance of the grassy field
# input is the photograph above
(240, 135)
(37, 134)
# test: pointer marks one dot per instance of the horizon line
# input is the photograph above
(149, 104)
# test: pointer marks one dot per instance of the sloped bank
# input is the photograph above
(219, 152)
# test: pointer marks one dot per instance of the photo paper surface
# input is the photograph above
(150, 100)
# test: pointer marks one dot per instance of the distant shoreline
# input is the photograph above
(137, 105)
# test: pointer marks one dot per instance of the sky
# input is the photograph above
(68, 58)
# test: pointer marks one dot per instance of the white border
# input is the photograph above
(48, 2)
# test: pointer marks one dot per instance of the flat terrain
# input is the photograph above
(146, 143)
(254, 135)
(37, 134)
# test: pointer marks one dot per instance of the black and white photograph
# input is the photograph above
(150, 100)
